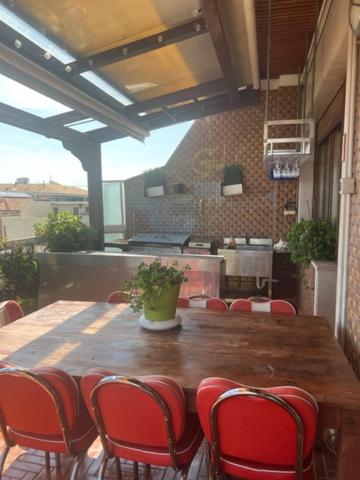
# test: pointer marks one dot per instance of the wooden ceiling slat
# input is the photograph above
(292, 27)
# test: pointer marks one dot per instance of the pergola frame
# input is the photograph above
(24, 61)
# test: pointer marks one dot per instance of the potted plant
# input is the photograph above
(65, 232)
(154, 181)
(155, 289)
(309, 240)
(233, 180)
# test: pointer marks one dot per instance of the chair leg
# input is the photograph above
(47, 465)
(103, 467)
(212, 472)
(58, 465)
(76, 466)
(118, 468)
(136, 471)
(184, 472)
(147, 471)
(4, 454)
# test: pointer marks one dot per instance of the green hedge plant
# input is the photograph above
(311, 240)
(65, 232)
(19, 274)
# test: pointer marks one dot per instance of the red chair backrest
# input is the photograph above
(281, 306)
(216, 304)
(241, 305)
(183, 302)
(255, 429)
(12, 309)
(271, 306)
(26, 402)
(117, 297)
(131, 415)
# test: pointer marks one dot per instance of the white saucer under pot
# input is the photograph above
(159, 324)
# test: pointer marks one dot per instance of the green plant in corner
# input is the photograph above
(65, 232)
(19, 275)
(153, 283)
(311, 240)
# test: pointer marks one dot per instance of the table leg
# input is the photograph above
(348, 448)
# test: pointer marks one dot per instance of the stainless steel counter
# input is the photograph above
(93, 275)
(250, 261)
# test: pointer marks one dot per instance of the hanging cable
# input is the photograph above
(268, 63)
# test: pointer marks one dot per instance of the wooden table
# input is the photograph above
(253, 348)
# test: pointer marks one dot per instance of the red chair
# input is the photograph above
(202, 301)
(43, 409)
(271, 306)
(142, 420)
(12, 311)
(241, 305)
(117, 297)
(254, 434)
(216, 304)
(183, 302)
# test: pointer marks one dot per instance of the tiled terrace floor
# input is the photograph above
(29, 465)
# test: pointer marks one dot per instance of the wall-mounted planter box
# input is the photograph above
(158, 191)
(232, 189)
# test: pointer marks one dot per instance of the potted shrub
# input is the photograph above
(155, 289)
(65, 232)
(154, 181)
(311, 240)
(233, 180)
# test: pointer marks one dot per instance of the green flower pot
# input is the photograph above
(164, 305)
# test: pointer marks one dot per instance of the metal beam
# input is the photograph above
(65, 118)
(90, 158)
(27, 121)
(210, 12)
(26, 63)
(192, 93)
(138, 47)
(202, 90)
(183, 113)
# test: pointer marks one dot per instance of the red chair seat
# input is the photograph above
(185, 448)
(82, 435)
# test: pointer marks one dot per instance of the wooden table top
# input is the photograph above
(253, 348)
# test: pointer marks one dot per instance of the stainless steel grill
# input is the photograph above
(156, 243)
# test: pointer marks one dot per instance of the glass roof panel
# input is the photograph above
(17, 95)
(38, 37)
(89, 27)
(167, 69)
(86, 126)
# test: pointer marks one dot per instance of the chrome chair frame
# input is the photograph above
(50, 390)
(134, 382)
(214, 468)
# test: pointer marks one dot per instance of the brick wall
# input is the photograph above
(352, 331)
(198, 163)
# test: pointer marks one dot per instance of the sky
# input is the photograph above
(26, 154)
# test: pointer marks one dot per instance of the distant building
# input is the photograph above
(22, 204)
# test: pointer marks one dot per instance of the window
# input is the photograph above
(327, 177)
(76, 210)
(56, 209)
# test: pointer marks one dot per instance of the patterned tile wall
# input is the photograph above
(229, 138)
